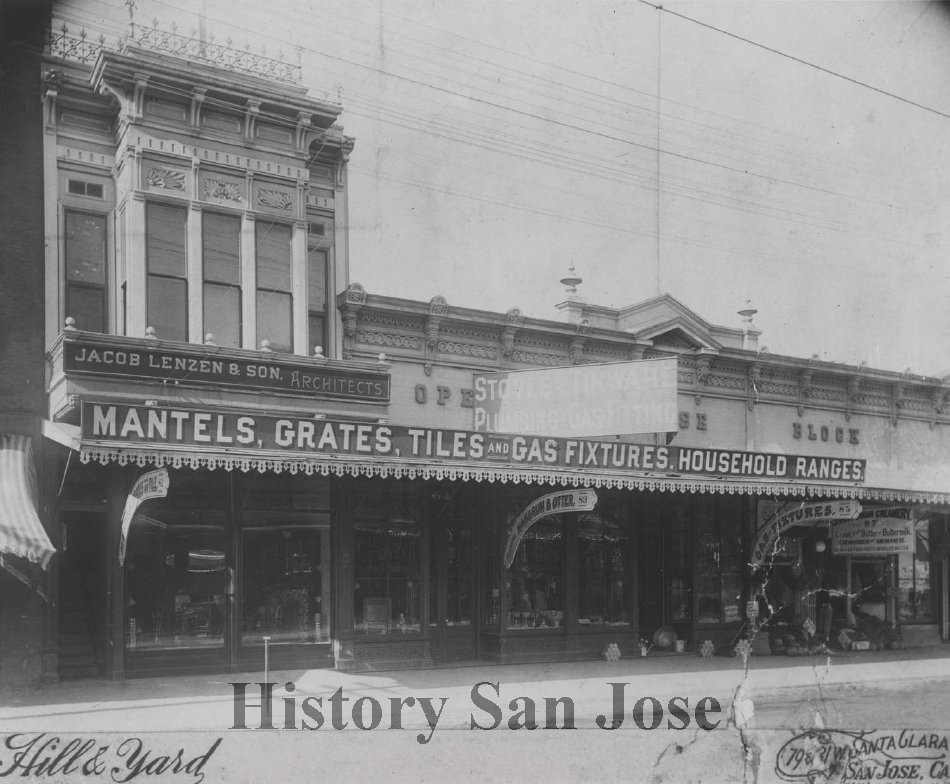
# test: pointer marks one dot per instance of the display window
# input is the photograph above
(177, 586)
(719, 562)
(603, 555)
(388, 559)
(535, 579)
(914, 598)
(285, 573)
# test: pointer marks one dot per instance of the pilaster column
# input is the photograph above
(248, 283)
(136, 317)
(195, 278)
(298, 283)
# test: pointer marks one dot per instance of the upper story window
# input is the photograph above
(166, 258)
(221, 261)
(318, 262)
(274, 291)
(83, 188)
(86, 269)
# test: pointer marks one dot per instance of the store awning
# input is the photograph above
(350, 465)
(21, 533)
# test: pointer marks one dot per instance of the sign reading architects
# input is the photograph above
(100, 358)
(301, 437)
(614, 398)
(877, 532)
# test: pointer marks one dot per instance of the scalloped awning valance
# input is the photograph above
(325, 465)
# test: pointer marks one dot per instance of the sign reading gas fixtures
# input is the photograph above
(615, 398)
(301, 437)
(101, 358)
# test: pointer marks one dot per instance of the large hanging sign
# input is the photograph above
(877, 532)
(151, 484)
(220, 432)
(546, 505)
(767, 538)
(608, 399)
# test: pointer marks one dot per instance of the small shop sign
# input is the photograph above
(768, 539)
(545, 506)
(196, 366)
(885, 532)
(151, 484)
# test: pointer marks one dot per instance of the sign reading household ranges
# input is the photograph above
(301, 437)
(258, 373)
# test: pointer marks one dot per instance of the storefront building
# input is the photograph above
(374, 529)
(242, 447)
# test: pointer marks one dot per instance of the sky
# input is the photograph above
(792, 154)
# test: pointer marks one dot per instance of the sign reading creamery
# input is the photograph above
(301, 377)
(877, 532)
(302, 436)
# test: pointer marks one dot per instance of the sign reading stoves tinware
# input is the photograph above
(304, 437)
(601, 399)
(876, 532)
(89, 356)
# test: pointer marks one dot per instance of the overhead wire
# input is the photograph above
(800, 60)
(582, 129)
(737, 169)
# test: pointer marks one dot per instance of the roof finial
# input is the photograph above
(571, 281)
(747, 313)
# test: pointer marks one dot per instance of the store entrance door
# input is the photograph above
(453, 636)
(872, 589)
(665, 574)
(83, 608)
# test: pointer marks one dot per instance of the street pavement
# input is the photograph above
(660, 718)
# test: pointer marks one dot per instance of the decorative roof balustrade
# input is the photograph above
(81, 47)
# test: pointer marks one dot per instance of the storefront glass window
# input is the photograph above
(177, 585)
(388, 561)
(602, 555)
(914, 603)
(719, 562)
(535, 592)
(491, 595)
(283, 586)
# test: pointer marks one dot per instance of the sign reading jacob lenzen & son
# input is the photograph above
(303, 376)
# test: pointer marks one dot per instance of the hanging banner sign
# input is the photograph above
(767, 538)
(606, 399)
(546, 505)
(151, 484)
(878, 532)
(303, 437)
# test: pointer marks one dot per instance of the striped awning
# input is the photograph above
(21, 532)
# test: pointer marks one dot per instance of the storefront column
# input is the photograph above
(342, 543)
(571, 581)
(633, 517)
(115, 574)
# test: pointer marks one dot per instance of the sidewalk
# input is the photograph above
(207, 700)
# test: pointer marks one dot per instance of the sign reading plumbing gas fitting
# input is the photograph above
(616, 398)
